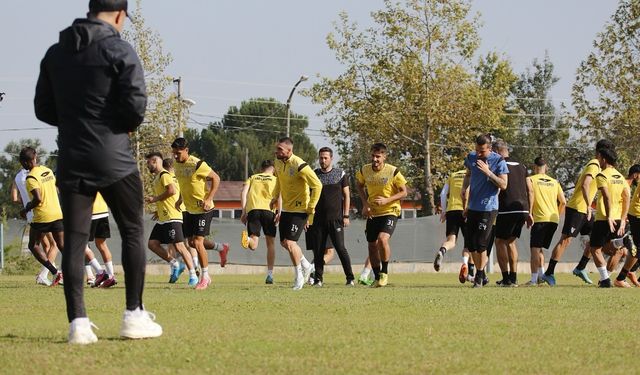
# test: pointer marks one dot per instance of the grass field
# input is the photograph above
(420, 323)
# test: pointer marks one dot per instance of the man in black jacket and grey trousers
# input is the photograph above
(91, 86)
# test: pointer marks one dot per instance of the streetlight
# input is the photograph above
(184, 102)
(302, 79)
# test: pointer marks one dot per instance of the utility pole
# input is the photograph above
(178, 81)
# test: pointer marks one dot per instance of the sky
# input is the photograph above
(227, 51)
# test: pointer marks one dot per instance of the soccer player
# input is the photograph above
(99, 233)
(451, 203)
(168, 230)
(514, 210)
(632, 241)
(193, 176)
(577, 217)
(331, 217)
(257, 193)
(611, 209)
(300, 190)
(385, 187)
(548, 204)
(20, 196)
(91, 86)
(47, 215)
(487, 174)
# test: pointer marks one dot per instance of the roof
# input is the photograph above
(229, 191)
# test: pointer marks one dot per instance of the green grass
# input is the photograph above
(420, 323)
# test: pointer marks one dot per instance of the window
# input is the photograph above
(408, 214)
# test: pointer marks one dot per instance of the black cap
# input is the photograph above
(97, 6)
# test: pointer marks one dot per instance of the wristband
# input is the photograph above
(345, 216)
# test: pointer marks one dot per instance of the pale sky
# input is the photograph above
(227, 51)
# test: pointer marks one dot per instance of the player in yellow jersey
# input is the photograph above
(47, 215)
(612, 207)
(631, 240)
(168, 230)
(99, 233)
(381, 187)
(548, 204)
(194, 176)
(577, 218)
(256, 196)
(299, 188)
(451, 203)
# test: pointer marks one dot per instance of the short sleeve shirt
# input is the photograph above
(192, 177)
(261, 191)
(331, 203)
(545, 199)
(383, 183)
(43, 179)
(483, 192)
(615, 184)
(166, 209)
(577, 201)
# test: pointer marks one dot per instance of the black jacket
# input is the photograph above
(91, 86)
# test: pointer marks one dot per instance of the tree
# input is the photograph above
(9, 167)
(408, 83)
(606, 94)
(535, 127)
(254, 127)
(164, 116)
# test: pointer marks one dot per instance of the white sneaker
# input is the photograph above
(139, 324)
(306, 272)
(298, 283)
(42, 281)
(80, 332)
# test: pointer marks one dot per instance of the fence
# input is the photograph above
(414, 240)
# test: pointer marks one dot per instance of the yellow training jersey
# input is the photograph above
(615, 184)
(100, 208)
(262, 188)
(383, 183)
(298, 184)
(577, 201)
(192, 177)
(43, 179)
(545, 199)
(166, 209)
(454, 198)
(634, 205)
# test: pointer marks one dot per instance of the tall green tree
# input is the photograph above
(606, 94)
(408, 82)
(165, 114)
(9, 167)
(534, 126)
(253, 129)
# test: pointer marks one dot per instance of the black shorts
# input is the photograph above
(292, 225)
(196, 224)
(574, 222)
(53, 227)
(588, 226)
(542, 234)
(310, 239)
(510, 225)
(261, 219)
(480, 230)
(634, 227)
(100, 229)
(167, 233)
(380, 224)
(455, 223)
(601, 234)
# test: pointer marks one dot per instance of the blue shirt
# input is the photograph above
(484, 193)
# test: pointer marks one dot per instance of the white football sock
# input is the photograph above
(604, 274)
(109, 266)
(96, 266)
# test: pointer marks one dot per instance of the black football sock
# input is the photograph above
(635, 267)
(51, 268)
(622, 275)
(385, 266)
(582, 264)
(472, 269)
(376, 272)
(513, 277)
(552, 267)
(443, 250)
(505, 277)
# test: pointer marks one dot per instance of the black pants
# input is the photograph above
(335, 230)
(125, 200)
